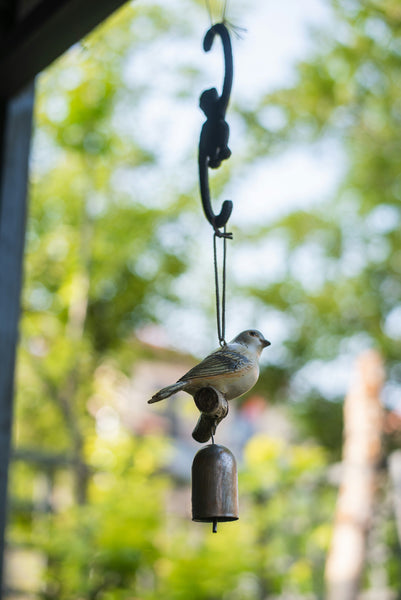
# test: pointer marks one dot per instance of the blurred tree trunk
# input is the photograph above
(363, 417)
(395, 477)
(65, 394)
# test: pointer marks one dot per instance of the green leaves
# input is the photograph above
(110, 238)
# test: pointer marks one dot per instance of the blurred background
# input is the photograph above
(118, 301)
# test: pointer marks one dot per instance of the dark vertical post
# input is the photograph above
(15, 135)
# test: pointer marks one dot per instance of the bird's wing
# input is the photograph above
(219, 363)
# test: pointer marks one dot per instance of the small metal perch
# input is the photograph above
(213, 407)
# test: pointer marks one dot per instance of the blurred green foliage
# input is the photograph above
(348, 296)
(128, 542)
(103, 258)
(347, 94)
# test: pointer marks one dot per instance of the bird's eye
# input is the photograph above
(253, 333)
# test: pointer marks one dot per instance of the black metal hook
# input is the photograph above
(213, 142)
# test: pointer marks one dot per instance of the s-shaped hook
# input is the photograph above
(213, 142)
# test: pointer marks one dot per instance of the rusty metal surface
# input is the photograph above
(214, 485)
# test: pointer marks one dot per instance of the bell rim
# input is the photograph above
(219, 519)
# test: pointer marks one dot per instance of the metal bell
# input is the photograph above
(214, 486)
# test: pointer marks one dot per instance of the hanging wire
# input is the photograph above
(220, 306)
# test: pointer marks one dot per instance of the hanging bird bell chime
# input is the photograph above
(214, 470)
(214, 486)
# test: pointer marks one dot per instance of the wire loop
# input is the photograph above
(220, 306)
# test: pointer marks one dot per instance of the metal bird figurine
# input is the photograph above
(231, 370)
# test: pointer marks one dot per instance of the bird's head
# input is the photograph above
(252, 339)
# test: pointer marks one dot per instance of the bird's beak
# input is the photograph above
(266, 343)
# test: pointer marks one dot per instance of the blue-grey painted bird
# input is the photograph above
(232, 370)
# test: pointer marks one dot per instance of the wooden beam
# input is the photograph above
(15, 135)
(43, 35)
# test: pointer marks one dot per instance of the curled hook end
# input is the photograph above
(216, 29)
(208, 39)
(221, 219)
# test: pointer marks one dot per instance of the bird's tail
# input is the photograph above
(167, 391)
